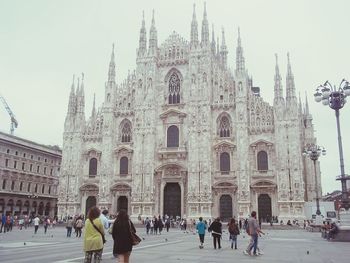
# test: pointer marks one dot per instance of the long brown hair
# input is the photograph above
(94, 213)
(232, 223)
(122, 217)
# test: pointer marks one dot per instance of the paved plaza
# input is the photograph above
(176, 246)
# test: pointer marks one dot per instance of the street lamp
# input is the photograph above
(335, 98)
(314, 151)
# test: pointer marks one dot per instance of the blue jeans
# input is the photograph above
(69, 231)
(255, 242)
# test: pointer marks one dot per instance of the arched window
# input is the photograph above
(262, 161)
(173, 136)
(224, 127)
(126, 132)
(93, 167)
(224, 162)
(124, 162)
(174, 89)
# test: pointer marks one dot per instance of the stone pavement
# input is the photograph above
(175, 246)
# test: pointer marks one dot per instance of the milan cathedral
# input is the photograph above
(184, 135)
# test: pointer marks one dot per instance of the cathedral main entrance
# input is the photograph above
(264, 207)
(122, 203)
(225, 208)
(90, 202)
(172, 199)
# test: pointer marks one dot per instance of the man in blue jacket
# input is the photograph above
(201, 227)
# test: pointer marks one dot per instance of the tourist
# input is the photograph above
(104, 219)
(21, 223)
(160, 225)
(151, 226)
(69, 226)
(156, 225)
(46, 224)
(201, 227)
(121, 234)
(26, 221)
(216, 231)
(333, 231)
(79, 226)
(3, 223)
(94, 236)
(234, 231)
(167, 224)
(253, 231)
(36, 224)
(148, 225)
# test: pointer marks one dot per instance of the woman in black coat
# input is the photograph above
(216, 230)
(122, 237)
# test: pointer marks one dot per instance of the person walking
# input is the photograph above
(104, 219)
(167, 224)
(216, 231)
(36, 224)
(253, 230)
(69, 226)
(79, 226)
(148, 225)
(201, 227)
(121, 234)
(3, 223)
(160, 225)
(151, 226)
(234, 231)
(94, 236)
(46, 224)
(156, 225)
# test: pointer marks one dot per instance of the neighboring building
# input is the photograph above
(184, 135)
(28, 176)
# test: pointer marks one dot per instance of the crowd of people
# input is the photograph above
(9, 221)
(98, 223)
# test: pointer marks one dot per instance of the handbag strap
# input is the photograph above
(103, 236)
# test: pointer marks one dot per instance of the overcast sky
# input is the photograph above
(43, 43)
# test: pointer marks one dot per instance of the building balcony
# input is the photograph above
(262, 174)
(175, 153)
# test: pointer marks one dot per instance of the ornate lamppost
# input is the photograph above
(314, 151)
(335, 98)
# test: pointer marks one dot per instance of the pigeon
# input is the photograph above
(166, 240)
(143, 238)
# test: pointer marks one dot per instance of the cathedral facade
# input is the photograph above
(185, 136)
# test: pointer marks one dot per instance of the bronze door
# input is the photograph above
(90, 202)
(264, 207)
(225, 207)
(122, 203)
(172, 199)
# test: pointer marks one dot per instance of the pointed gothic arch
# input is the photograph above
(174, 81)
(224, 125)
(125, 131)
